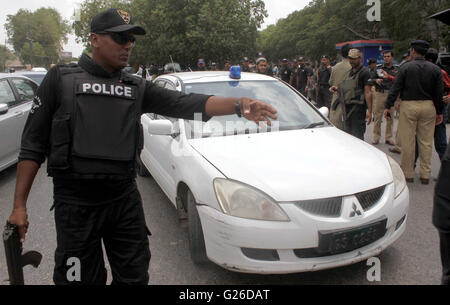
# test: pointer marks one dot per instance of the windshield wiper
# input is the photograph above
(314, 125)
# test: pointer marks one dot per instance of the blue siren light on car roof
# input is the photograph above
(235, 72)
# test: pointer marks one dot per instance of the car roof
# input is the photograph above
(216, 76)
(14, 75)
(29, 72)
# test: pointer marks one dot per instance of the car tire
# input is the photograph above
(196, 239)
(140, 168)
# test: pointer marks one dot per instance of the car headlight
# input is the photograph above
(399, 178)
(240, 200)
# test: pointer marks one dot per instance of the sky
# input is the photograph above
(275, 8)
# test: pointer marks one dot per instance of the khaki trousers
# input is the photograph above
(417, 118)
(379, 104)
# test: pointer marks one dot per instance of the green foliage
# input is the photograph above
(317, 28)
(185, 29)
(44, 29)
(88, 9)
(5, 54)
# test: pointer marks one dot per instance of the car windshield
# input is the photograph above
(293, 111)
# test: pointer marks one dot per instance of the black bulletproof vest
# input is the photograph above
(96, 129)
(324, 76)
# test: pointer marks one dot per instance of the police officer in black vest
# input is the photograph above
(86, 121)
(286, 72)
(323, 86)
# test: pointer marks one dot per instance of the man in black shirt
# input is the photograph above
(246, 65)
(421, 88)
(285, 72)
(323, 86)
(86, 121)
(303, 77)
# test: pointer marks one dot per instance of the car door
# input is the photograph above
(158, 150)
(12, 123)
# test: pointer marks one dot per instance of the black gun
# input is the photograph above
(15, 260)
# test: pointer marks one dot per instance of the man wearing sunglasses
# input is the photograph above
(86, 122)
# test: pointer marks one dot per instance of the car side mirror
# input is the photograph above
(324, 111)
(161, 128)
(3, 108)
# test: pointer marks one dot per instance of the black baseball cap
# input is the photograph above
(372, 61)
(115, 20)
(420, 43)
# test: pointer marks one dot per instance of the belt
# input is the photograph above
(379, 90)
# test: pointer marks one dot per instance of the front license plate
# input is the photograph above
(349, 240)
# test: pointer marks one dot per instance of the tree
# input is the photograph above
(5, 55)
(316, 29)
(87, 10)
(39, 34)
(186, 30)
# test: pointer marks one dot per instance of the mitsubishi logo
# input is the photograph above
(355, 211)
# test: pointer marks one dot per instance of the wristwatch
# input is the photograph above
(237, 108)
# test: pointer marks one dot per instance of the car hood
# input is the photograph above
(298, 164)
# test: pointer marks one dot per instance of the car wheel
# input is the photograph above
(140, 168)
(196, 239)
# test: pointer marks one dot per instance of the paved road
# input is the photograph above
(413, 259)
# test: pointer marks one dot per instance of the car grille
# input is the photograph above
(331, 207)
(328, 207)
(368, 199)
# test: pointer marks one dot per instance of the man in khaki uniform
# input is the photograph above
(421, 88)
(380, 95)
(338, 74)
(396, 149)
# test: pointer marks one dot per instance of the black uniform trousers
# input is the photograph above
(445, 257)
(82, 228)
(356, 123)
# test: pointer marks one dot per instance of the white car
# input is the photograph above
(300, 196)
(16, 99)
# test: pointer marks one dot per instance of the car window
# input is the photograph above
(293, 111)
(38, 78)
(25, 88)
(7, 94)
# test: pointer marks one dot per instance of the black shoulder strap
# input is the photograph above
(68, 74)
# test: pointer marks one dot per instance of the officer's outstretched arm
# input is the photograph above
(26, 172)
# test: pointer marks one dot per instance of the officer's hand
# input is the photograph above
(439, 119)
(368, 117)
(333, 89)
(385, 74)
(387, 113)
(446, 99)
(19, 218)
(397, 105)
(257, 111)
